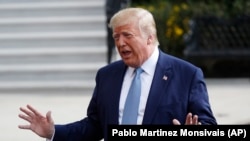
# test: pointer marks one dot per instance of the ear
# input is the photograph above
(150, 39)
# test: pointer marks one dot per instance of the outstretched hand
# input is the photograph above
(39, 124)
(190, 120)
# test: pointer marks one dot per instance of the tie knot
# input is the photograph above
(138, 71)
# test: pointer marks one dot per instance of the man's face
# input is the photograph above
(131, 44)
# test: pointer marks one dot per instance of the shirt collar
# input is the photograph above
(150, 64)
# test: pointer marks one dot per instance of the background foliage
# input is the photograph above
(173, 16)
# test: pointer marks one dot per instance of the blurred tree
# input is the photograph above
(172, 17)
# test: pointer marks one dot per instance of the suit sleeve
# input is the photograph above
(199, 100)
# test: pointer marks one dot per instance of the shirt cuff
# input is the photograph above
(51, 137)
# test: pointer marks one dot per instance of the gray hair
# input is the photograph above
(144, 18)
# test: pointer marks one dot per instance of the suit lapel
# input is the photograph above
(162, 77)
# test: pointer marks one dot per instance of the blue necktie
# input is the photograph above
(130, 112)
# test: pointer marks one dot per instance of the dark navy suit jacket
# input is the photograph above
(178, 87)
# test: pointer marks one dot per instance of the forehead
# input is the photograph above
(129, 27)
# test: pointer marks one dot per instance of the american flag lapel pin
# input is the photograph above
(165, 77)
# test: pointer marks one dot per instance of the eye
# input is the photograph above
(116, 37)
(128, 35)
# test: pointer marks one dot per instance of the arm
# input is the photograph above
(198, 103)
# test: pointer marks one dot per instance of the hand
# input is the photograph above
(190, 120)
(42, 126)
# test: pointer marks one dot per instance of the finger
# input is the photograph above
(27, 118)
(27, 112)
(195, 120)
(24, 126)
(189, 119)
(49, 117)
(34, 110)
(176, 122)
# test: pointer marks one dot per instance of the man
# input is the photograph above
(174, 91)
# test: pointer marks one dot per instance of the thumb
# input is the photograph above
(49, 117)
(176, 122)
(51, 128)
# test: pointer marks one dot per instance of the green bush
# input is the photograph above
(172, 17)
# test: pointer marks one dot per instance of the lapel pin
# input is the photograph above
(165, 77)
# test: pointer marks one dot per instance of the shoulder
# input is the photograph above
(174, 61)
(180, 67)
(113, 67)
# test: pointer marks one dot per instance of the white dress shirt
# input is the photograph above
(146, 81)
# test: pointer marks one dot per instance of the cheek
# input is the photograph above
(139, 47)
(141, 54)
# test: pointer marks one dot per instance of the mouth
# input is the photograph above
(126, 54)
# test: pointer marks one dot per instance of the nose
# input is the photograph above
(120, 42)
